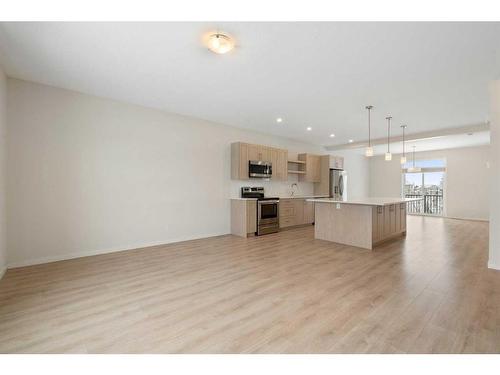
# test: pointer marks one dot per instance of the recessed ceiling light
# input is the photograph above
(219, 43)
(279, 119)
(332, 135)
(309, 128)
(350, 141)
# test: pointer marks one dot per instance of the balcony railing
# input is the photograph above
(431, 204)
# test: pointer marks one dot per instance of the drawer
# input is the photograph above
(286, 203)
(287, 222)
(287, 211)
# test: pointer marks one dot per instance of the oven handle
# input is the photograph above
(268, 202)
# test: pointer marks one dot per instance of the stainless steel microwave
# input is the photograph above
(260, 169)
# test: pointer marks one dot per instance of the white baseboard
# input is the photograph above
(56, 258)
(493, 266)
(466, 218)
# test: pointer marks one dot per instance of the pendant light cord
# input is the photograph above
(369, 128)
(404, 127)
(369, 108)
(388, 132)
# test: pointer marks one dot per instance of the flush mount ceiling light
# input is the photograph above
(369, 149)
(332, 135)
(219, 43)
(388, 155)
(351, 140)
(279, 119)
(403, 158)
(309, 128)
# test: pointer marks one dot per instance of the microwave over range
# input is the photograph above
(260, 169)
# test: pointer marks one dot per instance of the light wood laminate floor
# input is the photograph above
(280, 293)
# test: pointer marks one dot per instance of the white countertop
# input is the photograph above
(287, 197)
(304, 196)
(367, 201)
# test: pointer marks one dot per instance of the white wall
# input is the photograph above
(358, 173)
(466, 188)
(494, 256)
(90, 175)
(3, 146)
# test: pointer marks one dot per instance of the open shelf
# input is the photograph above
(296, 161)
(296, 172)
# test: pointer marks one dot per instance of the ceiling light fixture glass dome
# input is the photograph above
(220, 43)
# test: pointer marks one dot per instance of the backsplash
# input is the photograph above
(274, 188)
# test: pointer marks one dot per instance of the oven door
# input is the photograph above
(260, 169)
(267, 217)
(268, 212)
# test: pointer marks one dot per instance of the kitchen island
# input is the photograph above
(364, 222)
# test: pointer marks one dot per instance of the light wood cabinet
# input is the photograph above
(239, 161)
(280, 167)
(254, 152)
(388, 221)
(336, 162)
(323, 186)
(243, 217)
(295, 211)
(259, 153)
(242, 153)
(312, 168)
(308, 212)
(251, 208)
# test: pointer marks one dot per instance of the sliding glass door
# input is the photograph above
(427, 184)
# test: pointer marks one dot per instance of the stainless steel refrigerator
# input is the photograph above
(338, 184)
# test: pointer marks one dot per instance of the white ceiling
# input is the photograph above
(428, 75)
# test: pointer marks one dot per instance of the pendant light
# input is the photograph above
(388, 155)
(414, 168)
(403, 158)
(369, 149)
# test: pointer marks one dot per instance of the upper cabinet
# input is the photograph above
(336, 162)
(308, 167)
(323, 186)
(239, 161)
(279, 158)
(242, 153)
(312, 168)
(259, 153)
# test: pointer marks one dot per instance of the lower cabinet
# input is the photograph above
(251, 207)
(243, 217)
(388, 221)
(295, 212)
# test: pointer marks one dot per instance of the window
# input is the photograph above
(427, 184)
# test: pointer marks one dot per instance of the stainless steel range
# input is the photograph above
(267, 210)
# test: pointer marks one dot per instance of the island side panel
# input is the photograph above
(350, 224)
